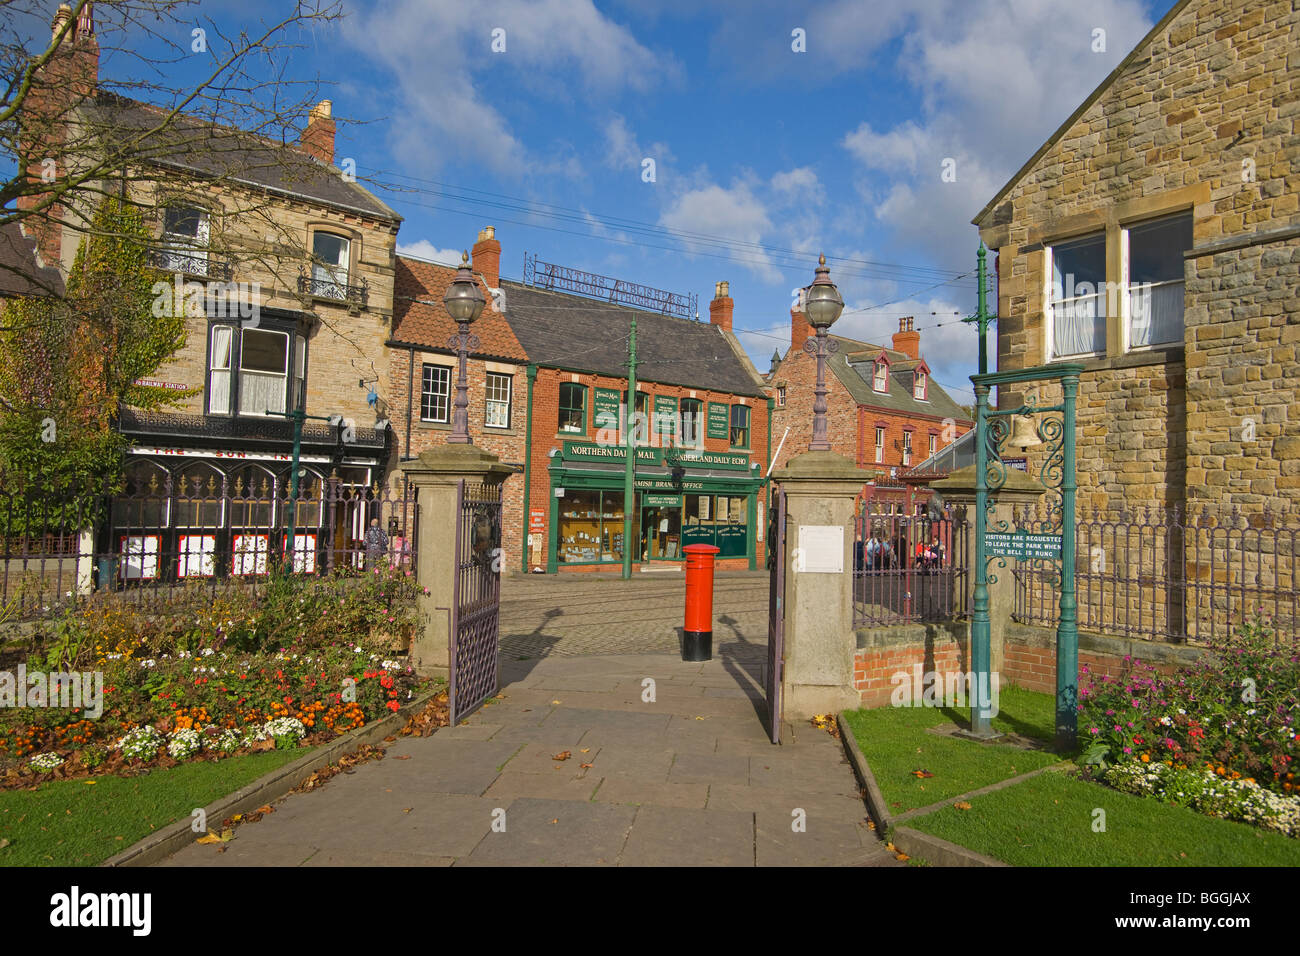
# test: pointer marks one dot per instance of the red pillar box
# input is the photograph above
(697, 635)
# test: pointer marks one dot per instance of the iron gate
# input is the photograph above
(475, 599)
(776, 615)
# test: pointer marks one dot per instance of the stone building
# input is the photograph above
(1155, 238)
(885, 413)
(283, 266)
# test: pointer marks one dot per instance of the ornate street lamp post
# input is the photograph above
(822, 305)
(464, 302)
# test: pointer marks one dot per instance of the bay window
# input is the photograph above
(255, 371)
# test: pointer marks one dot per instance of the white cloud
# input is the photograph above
(734, 213)
(424, 249)
(436, 49)
(624, 152)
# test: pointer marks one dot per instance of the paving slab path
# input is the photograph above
(686, 778)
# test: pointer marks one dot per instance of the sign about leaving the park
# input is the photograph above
(1023, 545)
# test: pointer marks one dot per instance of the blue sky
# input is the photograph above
(763, 155)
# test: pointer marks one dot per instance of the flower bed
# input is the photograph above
(299, 667)
(1219, 736)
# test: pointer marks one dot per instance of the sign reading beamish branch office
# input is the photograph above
(1023, 545)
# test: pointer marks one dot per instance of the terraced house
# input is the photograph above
(284, 267)
(884, 410)
(1155, 238)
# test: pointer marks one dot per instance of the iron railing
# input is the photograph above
(1171, 576)
(328, 288)
(191, 261)
(182, 539)
(909, 568)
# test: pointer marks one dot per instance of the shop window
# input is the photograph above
(1153, 256)
(1078, 303)
(692, 416)
(435, 394)
(497, 401)
(739, 426)
(591, 527)
(573, 408)
(719, 520)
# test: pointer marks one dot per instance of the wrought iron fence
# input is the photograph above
(909, 568)
(1169, 575)
(183, 539)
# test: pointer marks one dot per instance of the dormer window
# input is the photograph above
(185, 239)
(880, 376)
(919, 382)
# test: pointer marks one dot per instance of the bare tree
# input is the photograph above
(72, 136)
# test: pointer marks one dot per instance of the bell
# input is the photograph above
(1023, 433)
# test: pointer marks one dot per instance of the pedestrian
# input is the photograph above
(401, 549)
(376, 543)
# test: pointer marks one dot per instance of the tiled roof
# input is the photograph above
(19, 272)
(857, 379)
(209, 150)
(421, 320)
(560, 330)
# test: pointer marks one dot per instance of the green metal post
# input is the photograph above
(1067, 631)
(981, 628)
(982, 318)
(629, 474)
(297, 415)
(531, 373)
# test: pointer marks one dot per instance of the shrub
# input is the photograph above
(142, 743)
(183, 743)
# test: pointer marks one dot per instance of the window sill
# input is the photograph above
(491, 430)
(1158, 355)
(434, 426)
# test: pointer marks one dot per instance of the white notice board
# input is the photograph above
(821, 549)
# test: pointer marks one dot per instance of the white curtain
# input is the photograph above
(1156, 314)
(1079, 326)
(219, 380)
(260, 392)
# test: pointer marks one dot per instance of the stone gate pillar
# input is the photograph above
(1019, 491)
(820, 489)
(435, 475)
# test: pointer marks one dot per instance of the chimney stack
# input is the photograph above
(487, 256)
(722, 306)
(799, 329)
(318, 138)
(907, 339)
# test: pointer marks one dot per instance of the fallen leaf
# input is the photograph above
(586, 766)
(390, 739)
(407, 809)
(211, 837)
(922, 773)
(961, 805)
(266, 809)
(871, 825)
(556, 820)
(555, 702)
(902, 856)
(89, 783)
(3, 844)
(562, 755)
(403, 757)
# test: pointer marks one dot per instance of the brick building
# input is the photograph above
(283, 266)
(1155, 238)
(884, 411)
(423, 372)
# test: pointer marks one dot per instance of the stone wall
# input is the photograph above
(1202, 118)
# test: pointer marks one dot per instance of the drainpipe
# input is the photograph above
(531, 372)
(410, 385)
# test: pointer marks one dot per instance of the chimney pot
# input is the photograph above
(722, 306)
(907, 339)
(799, 329)
(318, 138)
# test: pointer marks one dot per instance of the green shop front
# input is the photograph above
(683, 497)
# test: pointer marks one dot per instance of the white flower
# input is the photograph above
(46, 762)
(184, 743)
(140, 743)
(207, 652)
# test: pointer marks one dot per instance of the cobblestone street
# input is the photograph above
(576, 615)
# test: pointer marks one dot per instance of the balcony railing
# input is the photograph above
(197, 263)
(248, 429)
(333, 290)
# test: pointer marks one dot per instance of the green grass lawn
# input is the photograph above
(78, 823)
(1048, 821)
(895, 742)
